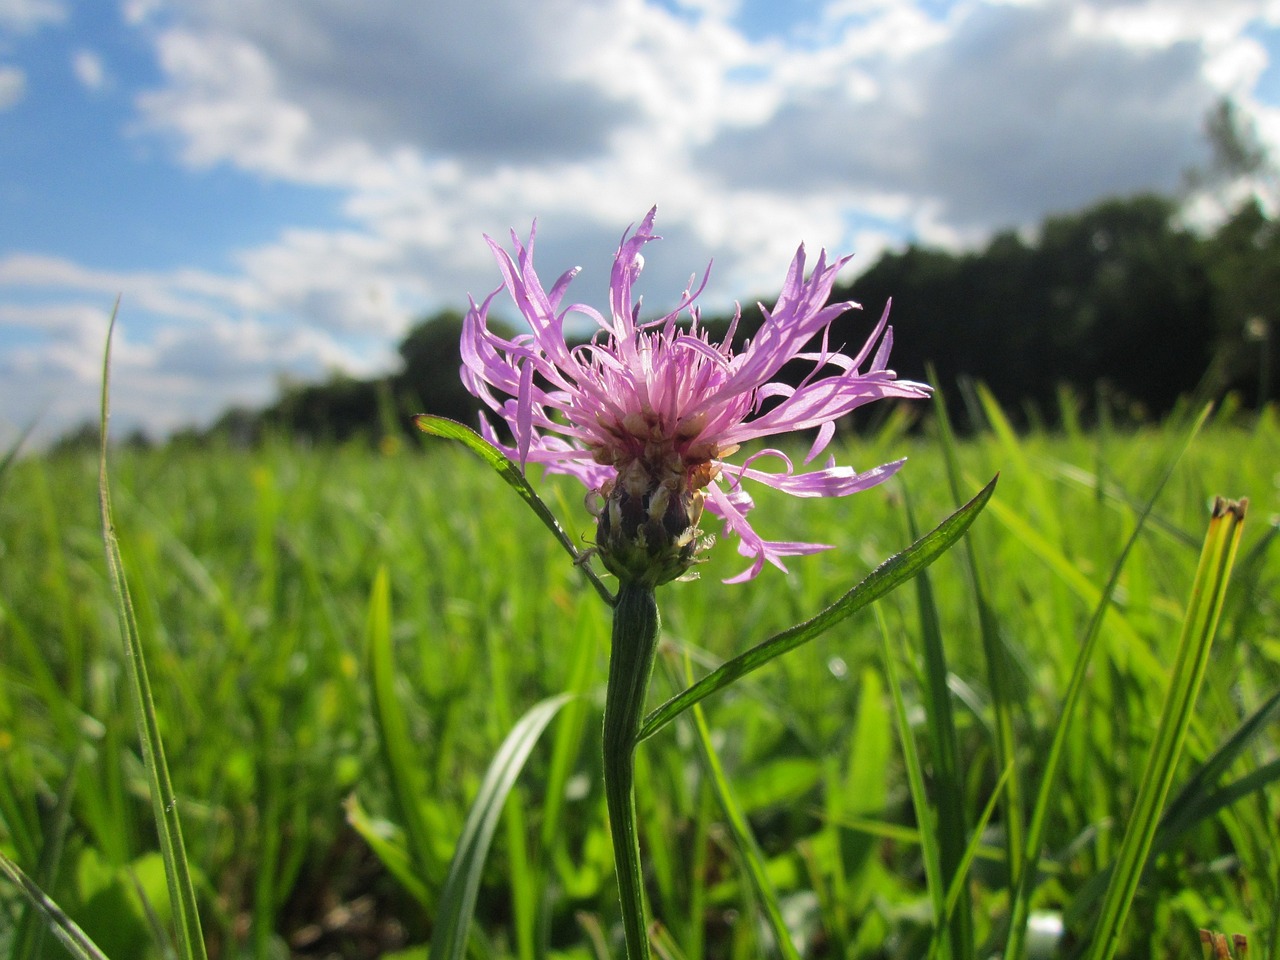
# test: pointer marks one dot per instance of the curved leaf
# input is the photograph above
(515, 478)
(458, 900)
(892, 573)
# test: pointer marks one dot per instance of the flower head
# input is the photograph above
(646, 414)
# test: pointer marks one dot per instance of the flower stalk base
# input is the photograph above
(635, 643)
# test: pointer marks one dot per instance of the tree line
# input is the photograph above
(1119, 304)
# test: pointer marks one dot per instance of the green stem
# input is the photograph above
(635, 642)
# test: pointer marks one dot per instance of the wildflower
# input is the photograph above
(646, 414)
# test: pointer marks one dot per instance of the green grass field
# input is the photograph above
(252, 575)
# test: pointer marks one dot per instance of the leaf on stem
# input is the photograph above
(891, 574)
(511, 473)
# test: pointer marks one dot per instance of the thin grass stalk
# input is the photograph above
(1021, 907)
(636, 623)
(935, 883)
(999, 680)
(744, 840)
(960, 881)
(1207, 595)
(75, 940)
(948, 782)
(399, 752)
(164, 802)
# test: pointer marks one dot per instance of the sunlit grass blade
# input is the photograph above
(1198, 793)
(945, 750)
(930, 852)
(393, 855)
(999, 669)
(75, 940)
(1198, 800)
(1207, 594)
(511, 473)
(744, 840)
(458, 899)
(399, 753)
(959, 883)
(1108, 491)
(889, 575)
(1044, 802)
(164, 802)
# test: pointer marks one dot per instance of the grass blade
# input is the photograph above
(1207, 595)
(164, 803)
(889, 575)
(945, 750)
(27, 942)
(397, 747)
(999, 669)
(959, 882)
(67, 930)
(515, 478)
(1075, 688)
(392, 854)
(743, 838)
(928, 833)
(458, 900)
(1189, 805)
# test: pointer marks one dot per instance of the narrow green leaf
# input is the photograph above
(929, 849)
(1207, 594)
(959, 883)
(64, 928)
(514, 476)
(1045, 798)
(393, 855)
(397, 747)
(944, 747)
(1000, 681)
(1186, 808)
(1198, 800)
(458, 900)
(740, 830)
(891, 574)
(164, 802)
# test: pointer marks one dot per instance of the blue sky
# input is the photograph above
(278, 190)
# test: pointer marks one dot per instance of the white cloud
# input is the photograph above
(25, 15)
(184, 348)
(13, 86)
(866, 122)
(1012, 116)
(89, 70)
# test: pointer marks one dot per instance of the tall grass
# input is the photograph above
(255, 585)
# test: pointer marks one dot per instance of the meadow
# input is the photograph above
(340, 638)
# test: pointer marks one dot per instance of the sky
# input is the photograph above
(276, 191)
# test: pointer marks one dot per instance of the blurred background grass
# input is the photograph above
(251, 574)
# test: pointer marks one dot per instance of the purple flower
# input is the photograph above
(646, 413)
